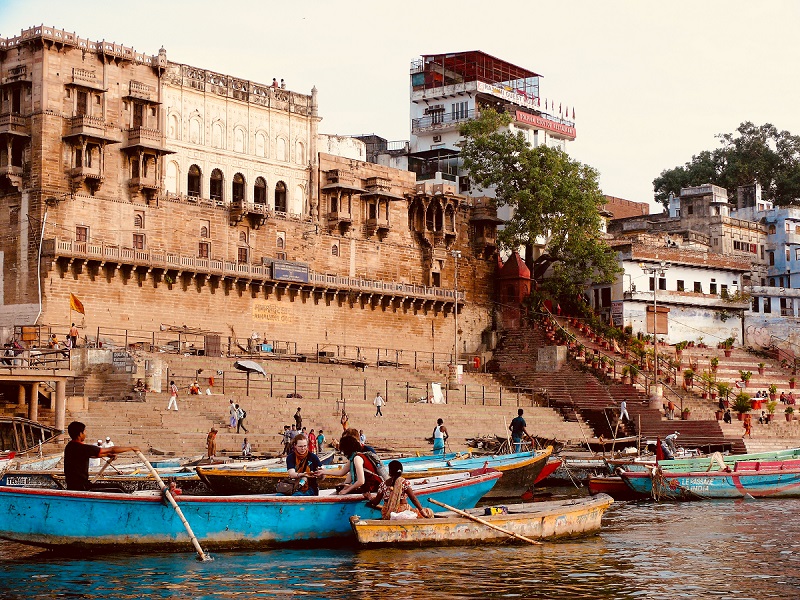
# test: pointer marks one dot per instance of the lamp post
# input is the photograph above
(656, 271)
(453, 383)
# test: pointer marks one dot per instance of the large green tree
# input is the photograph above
(554, 199)
(751, 153)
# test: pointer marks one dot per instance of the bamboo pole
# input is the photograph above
(200, 554)
(484, 522)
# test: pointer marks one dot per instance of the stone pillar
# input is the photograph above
(61, 404)
(656, 396)
(33, 402)
(21, 397)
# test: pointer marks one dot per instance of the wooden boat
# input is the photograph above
(97, 520)
(536, 520)
(606, 445)
(549, 468)
(614, 486)
(18, 434)
(759, 479)
(519, 473)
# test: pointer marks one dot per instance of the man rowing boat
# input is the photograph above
(77, 455)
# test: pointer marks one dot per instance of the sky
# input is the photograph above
(652, 83)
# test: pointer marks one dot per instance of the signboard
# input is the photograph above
(269, 312)
(543, 123)
(616, 312)
(289, 271)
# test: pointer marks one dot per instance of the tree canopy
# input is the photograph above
(751, 153)
(553, 198)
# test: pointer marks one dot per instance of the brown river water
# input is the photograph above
(721, 550)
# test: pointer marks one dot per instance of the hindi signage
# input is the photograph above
(272, 313)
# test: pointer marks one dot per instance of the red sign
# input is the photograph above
(542, 123)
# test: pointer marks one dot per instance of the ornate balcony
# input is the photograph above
(93, 128)
(11, 124)
(144, 138)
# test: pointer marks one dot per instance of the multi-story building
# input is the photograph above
(161, 193)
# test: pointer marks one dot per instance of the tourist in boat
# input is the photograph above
(439, 437)
(77, 455)
(518, 430)
(305, 467)
(396, 493)
(362, 472)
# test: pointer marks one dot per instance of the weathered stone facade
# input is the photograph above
(168, 194)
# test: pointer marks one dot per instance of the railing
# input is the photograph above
(442, 120)
(344, 390)
(37, 358)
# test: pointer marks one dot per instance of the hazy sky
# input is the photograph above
(651, 82)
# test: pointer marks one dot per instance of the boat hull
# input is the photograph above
(92, 520)
(539, 520)
(614, 486)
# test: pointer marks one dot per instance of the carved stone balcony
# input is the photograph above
(11, 124)
(92, 128)
(380, 224)
(140, 138)
(255, 213)
(148, 183)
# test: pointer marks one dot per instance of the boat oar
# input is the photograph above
(201, 555)
(484, 522)
(103, 468)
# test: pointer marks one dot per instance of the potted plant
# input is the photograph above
(634, 372)
(700, 343)
(742, 404)
(714, 363)
(788, 412)
(626, 374)
(792, 381)
(680, 347)
(727, 346)
(707, 383)
(771, 406)
(773, 391)
(745, 375)
(685, 413)
(688, 378)
(760, 368)
(724, 390)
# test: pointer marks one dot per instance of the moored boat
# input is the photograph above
(537, 520)
(614, 486)
(97, 520)
(759, 479)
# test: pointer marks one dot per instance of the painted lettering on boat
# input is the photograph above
(20, 481)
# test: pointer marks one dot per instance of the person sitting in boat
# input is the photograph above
(305, 467)
(77, 455)
(362, 472)
(395, 493)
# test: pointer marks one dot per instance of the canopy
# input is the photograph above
(249, 366)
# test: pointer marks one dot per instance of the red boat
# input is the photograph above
(614, 486)
(549, 468)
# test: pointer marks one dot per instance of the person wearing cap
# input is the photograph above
(108, 443)
(77, 455)
(211, 443)
(95, 462)
(670, 440)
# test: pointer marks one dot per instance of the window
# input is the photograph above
(797, 254)
(756, 303)
(138, 221)
(216, 185)
(280, 243)
(771, 282)
(242, 256)
(203, 250)
(281, 255)
(82, 106)
(712, 289)
(771, 258)
(723, 290)
(81, 234)
(788, 255)
(78, 158)
(662, 283)
(193, 181)
(280, 197)
(772, 229)
(767, 304)
(698, 287)
(652, 284)
(605, 297)
(237, 189)
(689, 209)
(260, 191)
(204, 231)
(679, 285)
(459, 110)
(762, 252)
(138, 241)
(335, 250)
(242, 237)
(138, 115)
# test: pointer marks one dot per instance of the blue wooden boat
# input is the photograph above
(96, 520)
(759, 479)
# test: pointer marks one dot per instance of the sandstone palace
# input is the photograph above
(161, 194)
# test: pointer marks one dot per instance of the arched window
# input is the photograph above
(172, 177)
(335, 250)
(237, 188)
(450, 219)
(193, 181)
(280, 149)
(238, 140)
(173, 129)
(300, 153)
(772, 229)
(217, 139)
(281, 243)
(433, 217)
(260, 191)
(261, 144)
(195, 127)
(138, 221)
(217, 182)
(299, 199)
(204, 232)
(243, 237)
(280, 197)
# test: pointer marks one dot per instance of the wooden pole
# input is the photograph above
(201, 555)
(104, 467)
(484, 522)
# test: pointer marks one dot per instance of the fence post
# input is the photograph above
(341, 384)
(465, 393)
(501, 395)
(378, 360)
(126, 339)
(319, 387)
(415, 360)
(386, 393)
(365, 390)
(317, 353)
(96, 340)
(483, 395)
(407, 386)
(271, 376)
(295, 385)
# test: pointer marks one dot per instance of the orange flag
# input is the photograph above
(76, 304)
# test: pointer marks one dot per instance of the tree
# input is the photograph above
(554, 199)
(752, 153)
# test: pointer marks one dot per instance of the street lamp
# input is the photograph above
(456, 254)
(656, 271)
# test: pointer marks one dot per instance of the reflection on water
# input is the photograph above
(691, 550)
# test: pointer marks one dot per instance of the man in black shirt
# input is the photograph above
(518, 430)
(77, 455)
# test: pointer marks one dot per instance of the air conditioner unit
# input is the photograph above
(437, 138)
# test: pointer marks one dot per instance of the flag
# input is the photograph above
(76, 304)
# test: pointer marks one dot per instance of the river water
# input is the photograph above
(720, 550)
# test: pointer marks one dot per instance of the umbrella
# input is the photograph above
(249, 366)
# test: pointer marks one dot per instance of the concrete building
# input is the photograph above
(164, 194)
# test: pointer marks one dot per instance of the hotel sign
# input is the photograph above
(509, 95)
(289, 271)
(542, 123)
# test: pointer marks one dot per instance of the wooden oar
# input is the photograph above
(484, 522)
(104, 467)
(201, 555)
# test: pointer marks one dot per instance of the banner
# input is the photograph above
(76, 304)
